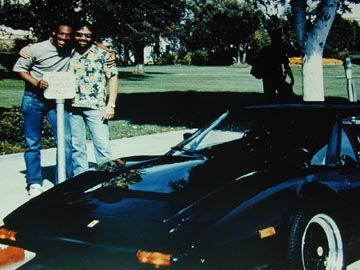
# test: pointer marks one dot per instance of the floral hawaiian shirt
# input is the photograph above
(91, 72)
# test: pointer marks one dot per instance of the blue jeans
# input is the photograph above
(35, 108)
(99, 132)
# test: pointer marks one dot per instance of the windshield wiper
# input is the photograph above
(198, 139)
(197, 135)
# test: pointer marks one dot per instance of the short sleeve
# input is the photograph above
(24, 64)
(109, 71)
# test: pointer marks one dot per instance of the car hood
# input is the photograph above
(101, 206)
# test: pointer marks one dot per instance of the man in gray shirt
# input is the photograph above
(50, 55)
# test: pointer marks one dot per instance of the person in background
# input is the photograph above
(49, 55)
(91, 107)
(275, 67)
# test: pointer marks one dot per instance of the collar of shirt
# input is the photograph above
(93, 48)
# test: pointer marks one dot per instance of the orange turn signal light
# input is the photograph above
(10, 255)
(267, 232)
(157, 259)
(7, 234)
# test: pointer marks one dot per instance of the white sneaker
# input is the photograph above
(35, 190)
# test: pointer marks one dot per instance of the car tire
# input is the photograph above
(316, 242)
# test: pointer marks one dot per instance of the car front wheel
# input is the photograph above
(316, 243)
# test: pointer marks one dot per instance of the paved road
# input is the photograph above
(12, 167)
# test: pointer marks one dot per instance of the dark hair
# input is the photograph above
(63, 22)
(83, 23)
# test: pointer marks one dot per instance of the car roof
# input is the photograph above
(314, 109)
(308, 106)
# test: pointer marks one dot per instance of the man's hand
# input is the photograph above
(108, 113)
(111, 59)
(42, 84)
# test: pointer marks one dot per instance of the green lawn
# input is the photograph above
(173, 97)
(191, 78)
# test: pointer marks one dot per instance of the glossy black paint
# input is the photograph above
(206, 205)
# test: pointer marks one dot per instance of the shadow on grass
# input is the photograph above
(188, 108)
(131, 76)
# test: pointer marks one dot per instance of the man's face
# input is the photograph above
(62, 37)
(83, 38)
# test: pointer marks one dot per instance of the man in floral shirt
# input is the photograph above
(91, 108)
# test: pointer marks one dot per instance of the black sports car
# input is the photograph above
(268, 187)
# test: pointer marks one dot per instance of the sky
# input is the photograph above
(355, 14)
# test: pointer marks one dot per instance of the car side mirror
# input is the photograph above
(187, 135)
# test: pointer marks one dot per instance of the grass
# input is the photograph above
(192, 78)
(166, 97)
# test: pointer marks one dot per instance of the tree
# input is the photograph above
(313, 20)
(131, 24)
(343, 37)
(40, 16)
(12, 14)
(134, 24)
(219, 26)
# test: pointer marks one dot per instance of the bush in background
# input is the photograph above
(184, 57)
(3, 71)
(199, 58)
(166, 58)
(12, 132)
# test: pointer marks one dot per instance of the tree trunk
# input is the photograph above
(312, 44)
(312, 76)
(139, 59)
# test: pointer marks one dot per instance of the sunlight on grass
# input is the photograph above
(191, 79)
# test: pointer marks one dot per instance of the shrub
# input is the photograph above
(11, 125)
(199, 58)
(3, 71)
(166, 58)
(326, 61)
(12, 132)
(184, 59)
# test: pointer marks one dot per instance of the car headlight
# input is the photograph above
(13, 257)
(157, 259)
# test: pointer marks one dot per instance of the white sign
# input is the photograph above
(62, 85)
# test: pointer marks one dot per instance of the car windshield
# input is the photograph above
(222, 130)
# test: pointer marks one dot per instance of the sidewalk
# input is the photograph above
(12, 167)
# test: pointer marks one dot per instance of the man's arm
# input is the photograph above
(289, 72)
(22, 68)
(111, 59)
(113, 93)
(26, 76)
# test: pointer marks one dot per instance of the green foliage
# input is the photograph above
(199, 58)
(344, 36)
(11, 125)
(184, 59)
(134, 24)
(16, 15)
(218, 26)
(130, 24)
(3, 71)
(12, 132)
(166, 58)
